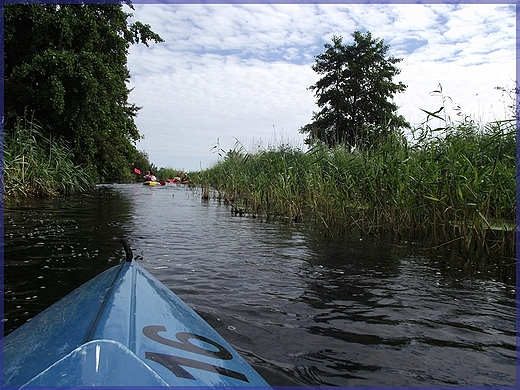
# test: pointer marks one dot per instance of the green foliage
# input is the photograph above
(35, 165)
(66, 66)
(354, 95)
(455, 185)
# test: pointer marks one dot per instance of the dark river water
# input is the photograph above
(301, 309)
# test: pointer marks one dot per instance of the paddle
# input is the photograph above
(137, 171)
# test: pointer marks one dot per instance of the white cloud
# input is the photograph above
(223, 98)
(242, 71)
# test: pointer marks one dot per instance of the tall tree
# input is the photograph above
(355, 94)
(65, 66)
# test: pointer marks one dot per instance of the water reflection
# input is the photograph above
(396, 319)
(301, 309)
(54, 245)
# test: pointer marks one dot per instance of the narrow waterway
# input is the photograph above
(301, 309)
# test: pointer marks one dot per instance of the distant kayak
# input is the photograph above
(154, 183)
(122, 328)
(173, 181)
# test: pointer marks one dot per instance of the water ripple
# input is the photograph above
(302, 310)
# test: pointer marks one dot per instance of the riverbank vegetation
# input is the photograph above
(368, 172)
(66, 69)
(36, 165)
(451, 186)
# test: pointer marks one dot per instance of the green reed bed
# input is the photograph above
(455, 184)
(38, 166)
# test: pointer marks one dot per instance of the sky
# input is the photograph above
(236, 76)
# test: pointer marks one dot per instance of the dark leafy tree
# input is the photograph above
(355, 94)
(65, 66)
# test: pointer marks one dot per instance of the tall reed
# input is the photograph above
(455, 184)
(38, 166)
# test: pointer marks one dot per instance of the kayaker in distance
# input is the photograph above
(177, 178)
(150, 176)
(180, 178)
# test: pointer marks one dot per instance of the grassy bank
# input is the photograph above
(38, 166)
(449, 185)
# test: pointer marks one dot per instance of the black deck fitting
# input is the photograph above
(128, 250)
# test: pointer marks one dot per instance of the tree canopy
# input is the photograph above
(65, 67)
(355, 94)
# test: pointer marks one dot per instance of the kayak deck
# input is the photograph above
(97, 362)
(122, 328)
